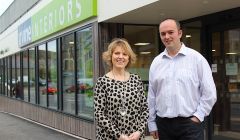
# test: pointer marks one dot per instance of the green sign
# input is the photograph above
(60, 14)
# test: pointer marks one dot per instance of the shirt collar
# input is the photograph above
(182, 51)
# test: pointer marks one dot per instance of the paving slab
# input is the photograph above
(15, 128)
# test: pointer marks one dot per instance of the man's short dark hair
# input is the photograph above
(177, 22)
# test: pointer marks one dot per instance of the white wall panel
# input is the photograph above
(111, 8)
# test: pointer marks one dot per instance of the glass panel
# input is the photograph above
(218, 67)
(232, 58)
(227, 80)
(32, 70)
(14, 78)
(84, 73)
(191, 35)
(6, 77)
(9, 91)
(1, 76)
(68, 73)
(19, 92)
(52, 74)
(25, 75)
(42, 75)
(144, 42)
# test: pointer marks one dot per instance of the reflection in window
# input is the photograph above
(84, 73)
(1, 76)
(25, 75)
(9, 91)
(32, 75)
(19, 91)
(6, 77)
(14, 79)
(68, 73)
(42, 75)
(52, 74)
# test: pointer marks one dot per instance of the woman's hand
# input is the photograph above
(124, 137)
(135, 135)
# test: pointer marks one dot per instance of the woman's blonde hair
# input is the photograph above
(118, 42)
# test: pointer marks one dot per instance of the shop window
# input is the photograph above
(68, 73)
(13, 77)
(1, 76)
(42, 74)
(9, 82)
(6, 83)
(32, 70)
(26, 81)
(52, 74)
(191, 35)
(144, 41)
(84, 85)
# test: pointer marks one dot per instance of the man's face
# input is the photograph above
(170, 34)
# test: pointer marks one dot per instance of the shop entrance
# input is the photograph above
(226, 72)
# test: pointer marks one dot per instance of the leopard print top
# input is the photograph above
(107, 100)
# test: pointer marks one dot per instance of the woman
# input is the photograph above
(120, 104)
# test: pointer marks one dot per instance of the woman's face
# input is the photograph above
(120, 58)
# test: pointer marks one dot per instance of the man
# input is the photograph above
(181, 88)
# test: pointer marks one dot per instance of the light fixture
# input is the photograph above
(71, 42)
(231, 53)
(188, 36)
(141, 44)
(145, 52)
(213, 50)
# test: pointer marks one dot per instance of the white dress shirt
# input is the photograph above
(180, 86)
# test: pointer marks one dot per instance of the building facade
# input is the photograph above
(50, 55)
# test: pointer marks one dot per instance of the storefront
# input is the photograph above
(48, 72)
(51, 57)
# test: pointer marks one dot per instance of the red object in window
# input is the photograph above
(50, 90)
(72, 88)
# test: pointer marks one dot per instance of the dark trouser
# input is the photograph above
(179, 129)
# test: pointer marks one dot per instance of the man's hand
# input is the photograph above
(135, 135)
(195, 119)
(154, 134)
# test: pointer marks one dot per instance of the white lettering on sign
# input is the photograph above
(70, 10)
(61, 15)
(50, 21)
(79, 9)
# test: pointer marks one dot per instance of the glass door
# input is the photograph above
(226, 73)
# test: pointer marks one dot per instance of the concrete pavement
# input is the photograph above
(14, 128)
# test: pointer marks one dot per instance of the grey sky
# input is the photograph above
(4, 5)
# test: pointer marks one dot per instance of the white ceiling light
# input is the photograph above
(145, 52)
(71, 42)
(141, 44)
(188, 36)
(231, 53)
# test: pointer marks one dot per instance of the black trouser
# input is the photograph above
(179, 129)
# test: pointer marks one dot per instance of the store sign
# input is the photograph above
(56, 16)
(25, 33)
